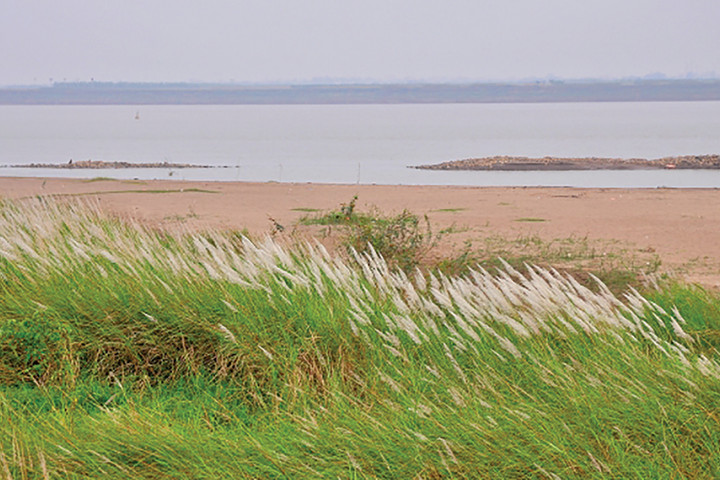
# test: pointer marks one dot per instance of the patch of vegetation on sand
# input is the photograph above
(110, 179)
(305, 209)
(402, 239)
(180, 218)
(127, 352)
(148, 191)
(450, 210)
(99, 179)
(616, 264)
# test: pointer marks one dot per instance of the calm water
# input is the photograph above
(363, 143)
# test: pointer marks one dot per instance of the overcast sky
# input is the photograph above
(369, 40)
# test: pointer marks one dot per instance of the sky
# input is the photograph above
(329, 41)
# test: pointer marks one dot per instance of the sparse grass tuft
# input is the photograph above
(149, 191)
(306, 209)
(99, 179)
(450, 210)
(111, 179)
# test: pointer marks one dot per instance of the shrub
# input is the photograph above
(403, 239)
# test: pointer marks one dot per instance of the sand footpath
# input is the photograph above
(681, 227)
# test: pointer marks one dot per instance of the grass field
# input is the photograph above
(131, 353)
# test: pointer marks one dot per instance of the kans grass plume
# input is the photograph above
(130, 352)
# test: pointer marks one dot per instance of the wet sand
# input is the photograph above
(679, 226)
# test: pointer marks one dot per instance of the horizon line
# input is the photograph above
(356, 81)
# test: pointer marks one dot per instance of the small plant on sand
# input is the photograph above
(345, 215)
(403, 239)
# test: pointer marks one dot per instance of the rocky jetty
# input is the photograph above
(98, 164)
(687, 162)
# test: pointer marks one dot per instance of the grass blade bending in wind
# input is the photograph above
(128, 352)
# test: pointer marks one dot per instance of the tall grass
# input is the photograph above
(126, 352)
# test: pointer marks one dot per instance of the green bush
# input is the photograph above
(403, 240)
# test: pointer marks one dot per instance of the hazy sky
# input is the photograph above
(381, 40)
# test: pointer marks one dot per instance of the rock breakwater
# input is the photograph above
(99, 164)
(510, 163)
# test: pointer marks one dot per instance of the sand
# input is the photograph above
(678, 227)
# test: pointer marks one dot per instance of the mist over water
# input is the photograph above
(363, 143)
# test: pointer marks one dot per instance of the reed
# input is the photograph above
(127, 352)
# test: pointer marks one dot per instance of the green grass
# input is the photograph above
(100, 179)
(110, 179)
(180, 218)
(130, 353)
(530, 219)
(150, 191)
(450, 210)
(306, 209)
(454, 229)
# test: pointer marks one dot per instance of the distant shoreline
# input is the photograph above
(509, 163)
(547, 91)
(99, 164)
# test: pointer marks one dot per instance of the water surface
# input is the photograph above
(363, 143)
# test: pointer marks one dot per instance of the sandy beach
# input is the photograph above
(678, 228)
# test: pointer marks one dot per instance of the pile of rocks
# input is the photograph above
(688, 162)
(98, 164)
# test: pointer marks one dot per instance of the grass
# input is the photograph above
(150, 191)
(306, 209)
(131, 353)
(99, 179)
(403, 240)
(454, 229)
(615, 263)
(450, 210)
(530, 219)
(111, 179)
(180, 218)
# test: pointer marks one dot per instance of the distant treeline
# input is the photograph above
(101, 93)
